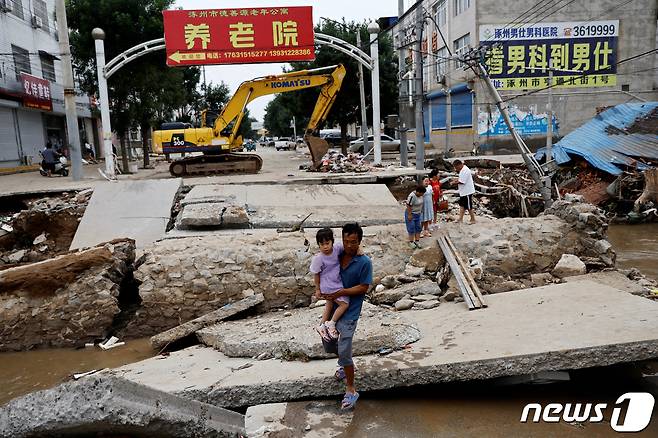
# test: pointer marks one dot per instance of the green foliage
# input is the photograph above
(144, 92)
(346, 109)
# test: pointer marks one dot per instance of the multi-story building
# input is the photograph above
(590, 45)
(31, 92)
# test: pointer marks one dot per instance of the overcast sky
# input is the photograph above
(233, 75)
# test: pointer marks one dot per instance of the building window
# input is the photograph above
(47, 68)
(461, 6)
(441, 63)
(441, 13)
(41, 11)
(15, 7)
(21, 61)
(461, 46)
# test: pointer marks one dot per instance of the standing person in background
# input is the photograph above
(437, 194)
(466, 190)
(428, 209)
(412, 215)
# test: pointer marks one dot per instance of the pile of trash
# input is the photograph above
(335, 162)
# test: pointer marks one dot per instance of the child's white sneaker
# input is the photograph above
(331, 329)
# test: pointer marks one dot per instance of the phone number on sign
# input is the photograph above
(262, 53)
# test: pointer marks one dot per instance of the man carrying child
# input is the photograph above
(355, 272)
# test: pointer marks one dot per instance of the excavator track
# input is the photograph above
(221, 164)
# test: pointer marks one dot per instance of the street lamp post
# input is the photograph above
(373, 29)
(99, 36)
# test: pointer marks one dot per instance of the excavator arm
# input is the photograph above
(299, 80)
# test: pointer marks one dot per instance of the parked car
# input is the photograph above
(284, 143)
(335, 140)
(266, 142)
(388, 144)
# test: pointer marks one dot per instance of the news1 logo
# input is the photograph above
(637, 418)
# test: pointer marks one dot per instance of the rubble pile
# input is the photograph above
(335, 162)
(43, 230)
(64, 301)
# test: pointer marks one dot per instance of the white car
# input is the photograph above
(388, 145)
(284, 143)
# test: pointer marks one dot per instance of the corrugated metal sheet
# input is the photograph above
(604, 141)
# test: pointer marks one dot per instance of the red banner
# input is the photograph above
(239, 36)
(36, 92)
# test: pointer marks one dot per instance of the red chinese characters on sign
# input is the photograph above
(239, 36)
(36, 92)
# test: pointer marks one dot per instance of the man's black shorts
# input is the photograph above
(466, 202)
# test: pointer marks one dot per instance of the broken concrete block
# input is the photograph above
(39, 239)
(429, 258)
(389, 281)
(404, 304)
(570, 197)
(569, 265)
(424, 305)
(541, 279)
(380, 288)
(424, 297)
(234, 216)
(506, 286)
(421, 287)
(450, 295)
(17, 256)
(177, 333)
(110, 405)
(293, 338)
(413, 271)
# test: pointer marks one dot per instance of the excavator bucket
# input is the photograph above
(318, 147)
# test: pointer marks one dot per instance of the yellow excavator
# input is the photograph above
(218, 143)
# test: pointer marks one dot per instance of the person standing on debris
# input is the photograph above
(466, 190)
(437, 195)
(325, 268)
(356, 275)
(412, 215)
(428, 209)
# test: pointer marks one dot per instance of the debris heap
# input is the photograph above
(335, 162)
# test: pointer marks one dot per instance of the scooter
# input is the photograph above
(61, 168)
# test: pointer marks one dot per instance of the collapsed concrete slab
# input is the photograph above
(110, 405)
(291, 335)
(559, 327)
(182, 331)
(139, 210)
(283, 206)
(64, 301)
(310, 419)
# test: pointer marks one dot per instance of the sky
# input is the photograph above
(233, 75)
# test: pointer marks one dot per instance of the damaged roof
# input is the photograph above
(614, 138)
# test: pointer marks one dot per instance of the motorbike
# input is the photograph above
(61, 168)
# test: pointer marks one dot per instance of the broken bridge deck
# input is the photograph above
(559, 327)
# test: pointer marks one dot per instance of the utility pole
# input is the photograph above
(418, 91)
(293, 124)
(549, 113)
(542, 181)
(72, 130)
(362, 91)
(402, 108)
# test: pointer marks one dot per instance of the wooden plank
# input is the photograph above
(474, 287)
(456, 271)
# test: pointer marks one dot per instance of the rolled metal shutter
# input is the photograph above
(8, 139)
(462, 109)
(30, 125)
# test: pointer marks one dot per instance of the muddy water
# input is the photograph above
(24, 372)
(637, 247)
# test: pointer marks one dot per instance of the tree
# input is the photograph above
(346, 109)
(146, 90)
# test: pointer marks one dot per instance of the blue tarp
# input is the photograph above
(605, 142)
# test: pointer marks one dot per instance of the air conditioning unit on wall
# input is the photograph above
(6, 5)
(37, 22)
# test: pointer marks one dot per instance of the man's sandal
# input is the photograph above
(340, 374)
(349, 401)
